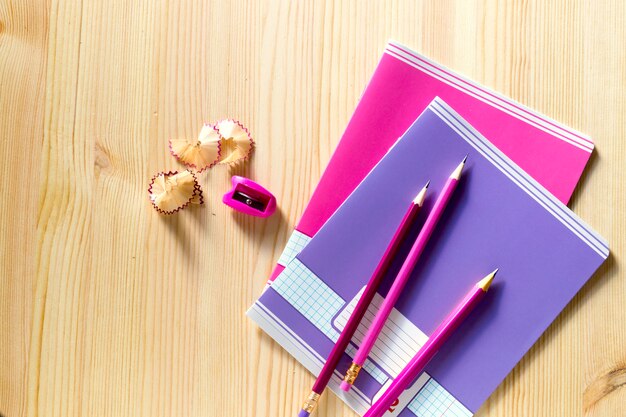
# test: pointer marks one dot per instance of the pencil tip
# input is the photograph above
(456, 174)
(485, 283)
(421, 196)
(465, 159)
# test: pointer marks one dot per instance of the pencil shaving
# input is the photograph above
(197, 197)
(236, 142)
(173, 191)
(200, 154)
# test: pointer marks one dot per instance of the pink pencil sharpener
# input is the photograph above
(250, 198)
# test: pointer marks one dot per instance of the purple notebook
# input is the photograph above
(499, 217)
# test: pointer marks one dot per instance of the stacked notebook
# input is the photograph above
(403, 84)
(508, 212)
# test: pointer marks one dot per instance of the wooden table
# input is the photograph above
(110, 309)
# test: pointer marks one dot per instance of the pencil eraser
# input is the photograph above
(303, 413)
(248, 197)
(345, 386)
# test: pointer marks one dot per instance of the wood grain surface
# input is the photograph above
(110, 309)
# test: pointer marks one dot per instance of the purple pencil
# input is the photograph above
(402, 278)
(363, 304)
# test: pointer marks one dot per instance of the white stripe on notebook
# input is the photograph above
(523, 180)
(538, 126)
(489, 96)
(397, 344)
(307, 356)
(297, 348)
(301, 288)
(517, 110)
(517, 175)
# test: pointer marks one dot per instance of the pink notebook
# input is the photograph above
(402, 86)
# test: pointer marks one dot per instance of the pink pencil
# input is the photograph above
(402, 278)
(362, 304)
(430, 348)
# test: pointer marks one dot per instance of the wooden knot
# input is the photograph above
(603, 386)
(102, 160)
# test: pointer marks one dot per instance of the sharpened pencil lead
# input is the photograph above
(419, 362)
(421, 196)
(456, 174)
(465, 159)
(485, 283)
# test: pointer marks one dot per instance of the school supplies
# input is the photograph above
(173, 191)
(403, 276)
(402, 85)
(502, 217)
(363, 303)
(250, 198)
(201, 153)
(226, 142)
(431, 347)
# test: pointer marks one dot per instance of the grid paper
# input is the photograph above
(297, 241)
(302, 289)
(319, 304)
(398, 341)
(310, 296)
(434, 401)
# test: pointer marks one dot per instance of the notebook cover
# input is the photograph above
(498, 217)
(403, 84)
